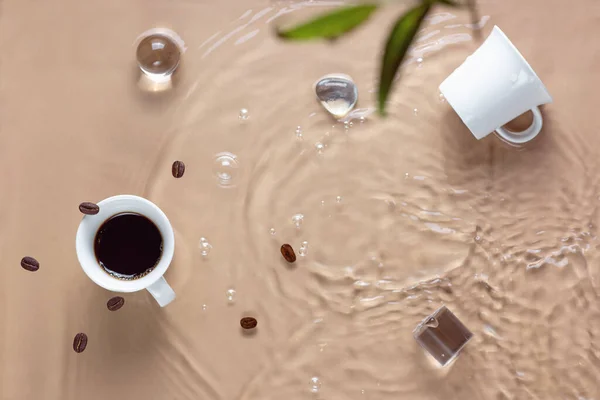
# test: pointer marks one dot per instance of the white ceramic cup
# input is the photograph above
(154, 281)
(494, 86)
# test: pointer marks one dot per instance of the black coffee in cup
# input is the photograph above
(128, 246)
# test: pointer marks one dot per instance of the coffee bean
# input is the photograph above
(248, 323)
(288, 253)
(88, 208)
(80, 342)
(115, 303)
(30, 264)
(178, 169)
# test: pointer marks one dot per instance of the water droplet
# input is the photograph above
(204, 307)
(442, 98)
(303, 250)
(337, 93)
(272, 231)
(158, 56)
(416, 111)
(338, 199)
(205, 247)
(244, 115)
(225, 168)
(297, 219)
(322, 203)
(315, 384)
(320, 147)
(420, 60)
(299, 133)
(432, 322)
(231, 296)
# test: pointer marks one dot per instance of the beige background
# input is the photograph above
(506, 237)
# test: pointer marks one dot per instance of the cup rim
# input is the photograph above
(91, 223)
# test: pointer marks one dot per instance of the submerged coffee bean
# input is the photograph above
(178, 169)
(115, 303)
(248, 323)
(30, 264)
(88, 208)
(288, 253)
(80, 342)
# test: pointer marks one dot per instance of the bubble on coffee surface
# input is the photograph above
(315, 384)
(297, 220)
(337, 93)
(244, 114)
(205, 246)
(225, 168)
(230, 296)
(158, 55)
(299, 133)
(272, 231)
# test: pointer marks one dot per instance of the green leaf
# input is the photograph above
(331, 25)
(398, 42)
(451, 3)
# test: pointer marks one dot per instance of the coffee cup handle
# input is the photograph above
(527, 134)
(162, 292)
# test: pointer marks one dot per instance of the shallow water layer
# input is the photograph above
(395, 216)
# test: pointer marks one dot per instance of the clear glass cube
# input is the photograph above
(442, 335)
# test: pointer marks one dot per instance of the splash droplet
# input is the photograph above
(204, 246)
(204, 307)
(338, 199)
(244, 114)
(442, 98)
(303, 250)
(299, 133)
(272, 231)
(319, 147)
(231, 296)
(416, 111)
(297, 219)
(225, 168)
(337, 93)
(315, 384)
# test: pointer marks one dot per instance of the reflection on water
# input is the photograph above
(391, 218)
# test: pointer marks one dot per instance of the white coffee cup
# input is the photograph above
(494, 86)
(154, 281)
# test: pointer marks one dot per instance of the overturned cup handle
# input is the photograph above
(162, 292)
(526, 135)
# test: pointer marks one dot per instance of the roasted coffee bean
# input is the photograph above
(115, 303)
(288, 253)
(178, 169)
(88, 208)
(30, 264)
(248, 323)
(80, 342)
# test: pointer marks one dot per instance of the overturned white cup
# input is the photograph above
(154, 281)
(494, 86)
